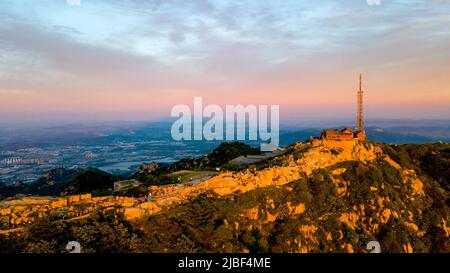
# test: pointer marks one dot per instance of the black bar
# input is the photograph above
(147, 263)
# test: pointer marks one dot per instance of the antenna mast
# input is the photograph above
(360, 113)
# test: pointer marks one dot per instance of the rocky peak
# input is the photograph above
(147, 168)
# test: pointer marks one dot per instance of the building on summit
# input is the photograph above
(348, 133)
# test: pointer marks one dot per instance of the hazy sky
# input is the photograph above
(134, 60)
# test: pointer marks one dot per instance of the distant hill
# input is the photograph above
(218, 157)
(53, 182)
(63, 181)
(90, 180)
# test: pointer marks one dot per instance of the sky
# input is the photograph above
(135, 60)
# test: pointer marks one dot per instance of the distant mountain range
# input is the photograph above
(383, 130)
(61, 181)
(118, 148)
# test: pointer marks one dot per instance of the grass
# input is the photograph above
(127, 185)
(186, 175)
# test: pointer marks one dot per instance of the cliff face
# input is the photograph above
(319, 196)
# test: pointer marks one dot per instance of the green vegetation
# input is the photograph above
(101, 233)
(209, 223)
(65, 182)
(167, 179)
(213, 224)
(91, 181)
(263, 220)
(198, 168)
(228, 151)
(188, 176)
(217, 158)
(432, 160)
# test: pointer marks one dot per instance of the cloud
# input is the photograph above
(226, 49)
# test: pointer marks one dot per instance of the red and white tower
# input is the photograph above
(360, 112)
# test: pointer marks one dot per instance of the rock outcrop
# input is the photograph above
(21, 212)
(315, 154)
(321, 196)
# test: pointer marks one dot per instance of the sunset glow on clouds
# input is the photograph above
(134, 60)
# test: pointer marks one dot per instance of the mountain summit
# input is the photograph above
(317, 196)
